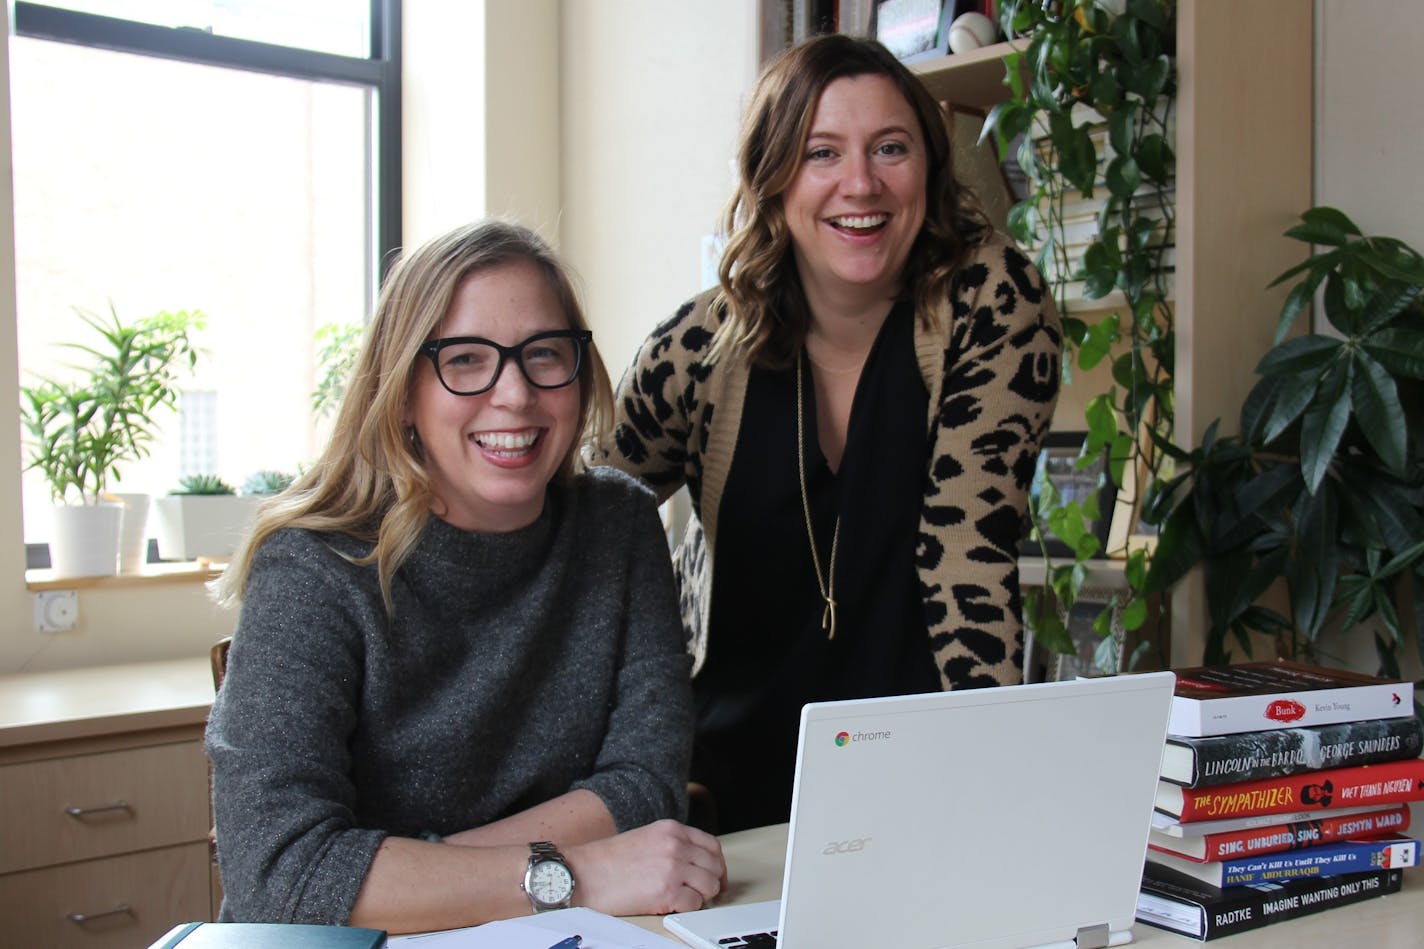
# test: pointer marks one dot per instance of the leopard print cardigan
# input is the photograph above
(993, 378)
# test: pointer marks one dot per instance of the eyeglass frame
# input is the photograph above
(581, 338)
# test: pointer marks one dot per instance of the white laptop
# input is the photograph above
(1005, 817)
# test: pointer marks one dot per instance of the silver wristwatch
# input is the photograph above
(548, 881)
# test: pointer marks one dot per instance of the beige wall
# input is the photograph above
(651, 102)
(481, 114)
(1368, 151)
(639, 101)
(1369, 97)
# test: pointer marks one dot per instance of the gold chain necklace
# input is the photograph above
(828, 585)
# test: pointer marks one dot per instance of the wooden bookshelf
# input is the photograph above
(974, 79)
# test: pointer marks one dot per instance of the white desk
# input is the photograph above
(755, 862)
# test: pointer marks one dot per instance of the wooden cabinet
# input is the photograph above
(1244, 174)
(104, 808)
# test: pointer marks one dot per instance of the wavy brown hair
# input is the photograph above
(371, 481)
(767, 313)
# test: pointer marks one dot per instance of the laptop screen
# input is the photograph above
(999, 817)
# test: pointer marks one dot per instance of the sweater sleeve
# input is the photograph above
(655, 407)
(642, 766)
(999, 392)
(288, 846)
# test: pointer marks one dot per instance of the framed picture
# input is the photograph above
(1058, 461)
(977, 166)
(913, 29)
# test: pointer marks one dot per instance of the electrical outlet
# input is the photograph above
(56, 610)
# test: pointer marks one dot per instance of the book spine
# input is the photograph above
(1228, 714)
(1311, 833)
(1393, 782)
(1240, 909)
(1330, 860)
(1253, 756)
(1269, 907)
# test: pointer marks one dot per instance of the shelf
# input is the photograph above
(189, 571)
(974, 79)
(1105, 574)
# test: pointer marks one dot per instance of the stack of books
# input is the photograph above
(1284, 790)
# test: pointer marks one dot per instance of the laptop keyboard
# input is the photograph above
(750, 941)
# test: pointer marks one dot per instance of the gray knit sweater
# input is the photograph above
(518, 667)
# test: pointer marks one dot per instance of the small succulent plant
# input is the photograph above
(203, 484)
(267, 483)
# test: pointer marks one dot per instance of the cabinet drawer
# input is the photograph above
(96, 805)
(126, 901)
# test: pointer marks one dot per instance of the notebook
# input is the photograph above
(986, 818)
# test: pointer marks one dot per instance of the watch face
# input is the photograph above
(550, 882)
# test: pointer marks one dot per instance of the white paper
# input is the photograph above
(599, 931)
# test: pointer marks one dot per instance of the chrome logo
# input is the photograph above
(842, 739)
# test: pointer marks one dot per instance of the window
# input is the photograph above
(238, 157)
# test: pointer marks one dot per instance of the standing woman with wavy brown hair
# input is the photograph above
(457, 689)
(856, 411)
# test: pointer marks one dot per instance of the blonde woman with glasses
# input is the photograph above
(457, 689)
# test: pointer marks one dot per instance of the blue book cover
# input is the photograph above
(269, 936)
(1326, 860)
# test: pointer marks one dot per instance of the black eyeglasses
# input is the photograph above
(469, 365)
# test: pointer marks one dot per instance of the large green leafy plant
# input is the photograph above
(1323, 488)
(80, 431)
(1092, 90)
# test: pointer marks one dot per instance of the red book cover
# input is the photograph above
(1393, 782)
(1286, 836)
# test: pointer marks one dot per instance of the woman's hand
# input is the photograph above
(665, 867)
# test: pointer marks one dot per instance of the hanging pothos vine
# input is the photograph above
(1093, 84)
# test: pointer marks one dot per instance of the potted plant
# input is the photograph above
(1323, 489)
(1092, 90)
(201, 519)
(80, 431)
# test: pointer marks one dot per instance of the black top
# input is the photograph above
(767, 651)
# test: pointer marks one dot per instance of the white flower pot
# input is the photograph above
(84, 539)
(201, 526)
(133, 536)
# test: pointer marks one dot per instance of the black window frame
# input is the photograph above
(380, 72)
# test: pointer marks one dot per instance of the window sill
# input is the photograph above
(199, 571)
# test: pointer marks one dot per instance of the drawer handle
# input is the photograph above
(82, 918)
(83, 812)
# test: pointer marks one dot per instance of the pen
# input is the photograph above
(573, 942)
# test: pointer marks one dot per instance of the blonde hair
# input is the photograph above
(371, 481)
(767, 313)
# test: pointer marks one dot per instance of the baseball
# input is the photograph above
(971, 31)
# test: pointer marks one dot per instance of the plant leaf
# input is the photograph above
(1399, 350)
(1179, 548)
(1324, 225)
(1312, 572)
(1306, 353)
(1377, 410)
(1297, 300)
(1292, 395)
(1323, 424)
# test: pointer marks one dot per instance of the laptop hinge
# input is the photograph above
(1093, 937)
